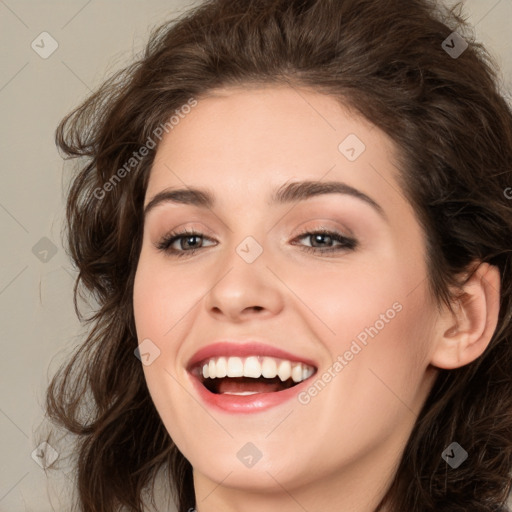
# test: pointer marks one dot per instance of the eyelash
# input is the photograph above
(346, 243)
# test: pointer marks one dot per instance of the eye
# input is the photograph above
(325, 241)
(181, 243)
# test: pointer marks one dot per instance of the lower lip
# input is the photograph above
(246, 403)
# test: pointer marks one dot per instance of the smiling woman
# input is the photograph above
(305, 282)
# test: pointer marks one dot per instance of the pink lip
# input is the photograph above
(249, 403)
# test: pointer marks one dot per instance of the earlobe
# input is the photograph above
(463, 336)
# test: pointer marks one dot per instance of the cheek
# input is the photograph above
(161, 297)
(377, 309)
(349, 297)
(160, 301)
(380, 354)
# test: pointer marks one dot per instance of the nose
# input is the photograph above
(240, 289)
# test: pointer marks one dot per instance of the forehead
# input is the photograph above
(247, 142)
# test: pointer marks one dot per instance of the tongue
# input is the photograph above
(248, 384)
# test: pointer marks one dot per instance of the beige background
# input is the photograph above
(38, 324)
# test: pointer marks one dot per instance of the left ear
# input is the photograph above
(464, 335)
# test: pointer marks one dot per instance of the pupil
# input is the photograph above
(188, 240)
(319, 237)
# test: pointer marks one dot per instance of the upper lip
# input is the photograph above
(244, 349)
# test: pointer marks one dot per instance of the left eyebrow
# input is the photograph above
(287, 193)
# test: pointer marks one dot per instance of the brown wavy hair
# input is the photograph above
(453, 128)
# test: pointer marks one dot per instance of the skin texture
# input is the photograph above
(340, 450)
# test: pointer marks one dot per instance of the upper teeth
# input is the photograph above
(255, 366)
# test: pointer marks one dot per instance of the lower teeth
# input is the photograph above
(242, 393)
(243, 386)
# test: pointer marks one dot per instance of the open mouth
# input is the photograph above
(250, 375)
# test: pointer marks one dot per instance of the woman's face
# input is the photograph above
(265, 292)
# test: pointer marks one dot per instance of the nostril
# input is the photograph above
(254, 308)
